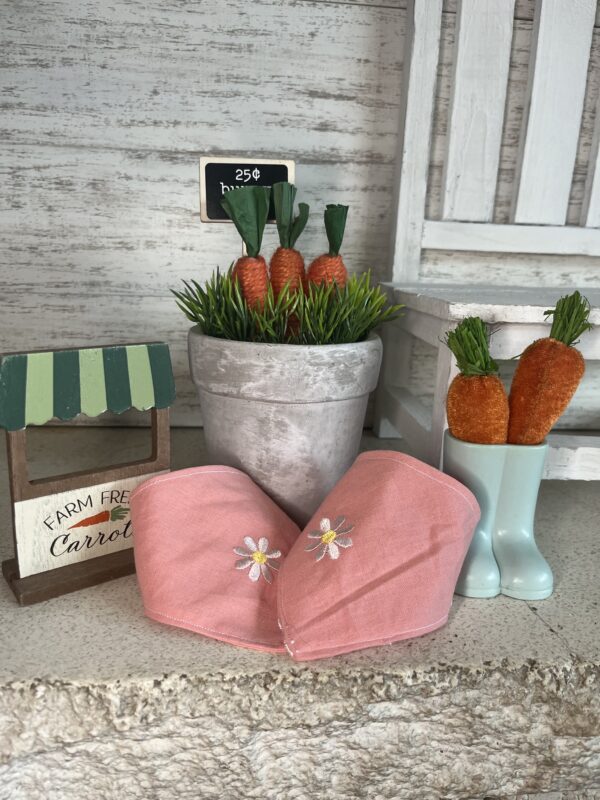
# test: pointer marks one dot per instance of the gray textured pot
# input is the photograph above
(291, 416)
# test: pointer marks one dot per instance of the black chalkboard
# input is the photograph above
(219, 174)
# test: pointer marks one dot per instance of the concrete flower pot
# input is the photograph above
(290, 416)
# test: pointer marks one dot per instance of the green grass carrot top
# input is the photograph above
(476, 405)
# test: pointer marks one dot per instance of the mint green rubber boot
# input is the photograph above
(524, 572)
(480, 468)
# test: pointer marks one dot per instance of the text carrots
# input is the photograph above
(119, 512)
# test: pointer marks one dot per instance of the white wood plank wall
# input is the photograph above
(480, 74)
(105, 109)
(561, 42)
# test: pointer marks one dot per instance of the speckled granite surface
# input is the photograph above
(98, 702)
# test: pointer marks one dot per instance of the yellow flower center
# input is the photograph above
(259, 557)
(328, 537)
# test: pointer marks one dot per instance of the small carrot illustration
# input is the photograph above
(476, 405)
(287, 264)
(248, 209)
(548, 373)
(119, 512)
(329, 267)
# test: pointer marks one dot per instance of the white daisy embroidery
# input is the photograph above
(330, 538)
(258, 557)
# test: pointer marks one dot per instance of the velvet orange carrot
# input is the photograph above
(477, 405)
(287, 264)
(248, 209)
(329, 267)
(548, 373)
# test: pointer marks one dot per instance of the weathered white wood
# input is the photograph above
(43, 526)
(395, 371)
(423, 25)
(317, 82)
(445, 371)
(515, 101)
(482, 55)
(460, 266)
(590, 205)
(573, 457)
(562, 37)
(516, 304)
(409, 418)
(487, 237)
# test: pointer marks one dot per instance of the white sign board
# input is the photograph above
(65, 528)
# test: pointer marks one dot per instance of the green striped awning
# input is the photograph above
(37, 387)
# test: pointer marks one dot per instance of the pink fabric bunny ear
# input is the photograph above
(208, 546)
(379, 560)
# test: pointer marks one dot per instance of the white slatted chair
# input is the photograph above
(547, 151)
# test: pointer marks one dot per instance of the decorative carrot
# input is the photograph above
(248, 209)
(116, 513)
(287, 264)
(548, 373)
(477, 405)
(329, 267)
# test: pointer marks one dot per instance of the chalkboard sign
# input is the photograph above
(218, 175)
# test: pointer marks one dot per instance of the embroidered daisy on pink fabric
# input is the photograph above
(330, 537)
(258, 557)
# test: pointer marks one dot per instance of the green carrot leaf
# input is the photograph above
(248, 209)
(335, 225)
(288, 227)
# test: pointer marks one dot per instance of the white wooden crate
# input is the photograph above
(517, 317)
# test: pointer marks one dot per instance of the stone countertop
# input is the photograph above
(511, 681)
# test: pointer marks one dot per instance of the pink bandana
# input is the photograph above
(377, 563)
(208, 546)
(379, 560)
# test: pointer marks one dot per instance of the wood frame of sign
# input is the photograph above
(245, 167)
(79, 520)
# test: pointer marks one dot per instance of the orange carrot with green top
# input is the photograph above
(248, 209)
(329, 267)
(287, 264)
(476, 405)
(548, 373)
(119, 512)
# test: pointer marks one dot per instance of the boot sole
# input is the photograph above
(479, 594)
(537, 595)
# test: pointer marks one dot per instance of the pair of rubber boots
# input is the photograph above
(503, 557)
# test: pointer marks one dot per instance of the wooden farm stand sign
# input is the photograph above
(72, 531)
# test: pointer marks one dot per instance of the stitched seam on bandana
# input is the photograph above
(175, 477)
(212, 630)
(389, 636)
(430, 477)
